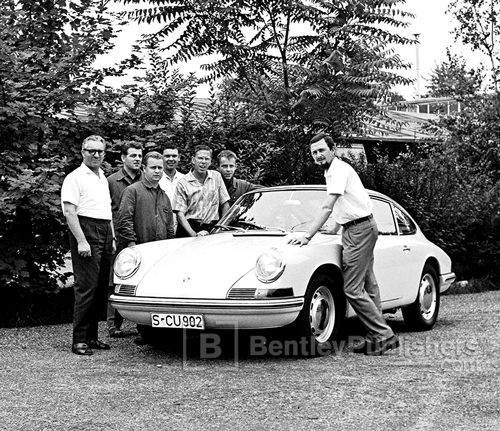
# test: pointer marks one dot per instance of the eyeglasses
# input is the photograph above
(94, 152)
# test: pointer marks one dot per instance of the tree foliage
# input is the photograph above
(320, 64)
(478, 28)
(47, 50)
(452, 186)
(452, 78)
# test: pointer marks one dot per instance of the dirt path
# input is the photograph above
(445, 379)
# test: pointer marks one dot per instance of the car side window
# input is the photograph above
(405, 223)
(382, 212)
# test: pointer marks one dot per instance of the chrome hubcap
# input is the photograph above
(428, 296)
(322, 314)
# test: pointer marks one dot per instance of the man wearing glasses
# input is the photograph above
(200, 197)
(86, 204)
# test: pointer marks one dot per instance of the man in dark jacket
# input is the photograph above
(145, 212)
(130, 173)
(236, 187)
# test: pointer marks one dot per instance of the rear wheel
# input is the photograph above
(422, 314)
(321, 318)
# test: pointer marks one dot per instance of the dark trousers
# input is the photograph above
(91, 277)
(196, 226)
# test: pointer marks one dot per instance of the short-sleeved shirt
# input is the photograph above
(118, 182)
(89, 192)
(199, 201)
(169, 184)
(353, 202)
(237, 187)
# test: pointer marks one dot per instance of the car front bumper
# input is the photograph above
(218, 314)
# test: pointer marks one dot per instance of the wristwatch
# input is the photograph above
(308, 237)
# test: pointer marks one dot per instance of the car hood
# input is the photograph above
(201, 267)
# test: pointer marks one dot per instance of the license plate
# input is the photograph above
(189, 321)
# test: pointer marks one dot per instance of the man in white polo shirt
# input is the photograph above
(171, 175)
(352, 207)
(86, 203)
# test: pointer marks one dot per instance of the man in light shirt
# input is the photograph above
(200, 196)
(171, 175)
(351, 206)
(86, 204)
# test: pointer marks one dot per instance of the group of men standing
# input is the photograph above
(148, 199)
(156, 202)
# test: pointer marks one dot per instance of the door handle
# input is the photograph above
(406, 248)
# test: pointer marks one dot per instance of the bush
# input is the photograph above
(23, 307)
(455, 206)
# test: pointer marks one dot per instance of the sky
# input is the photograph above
(434, 27)
(432, 24)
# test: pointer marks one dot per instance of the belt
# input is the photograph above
(203, 226)
(357, 221)
(94, 220)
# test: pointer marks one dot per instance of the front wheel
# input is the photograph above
(422, 314)
(321, 318)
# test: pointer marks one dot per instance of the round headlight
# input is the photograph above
(127, 263)
(270, 265)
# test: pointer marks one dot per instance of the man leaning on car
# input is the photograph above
(351, 206)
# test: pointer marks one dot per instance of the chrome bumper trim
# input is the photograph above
(212, 304)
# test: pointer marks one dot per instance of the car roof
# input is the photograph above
(312, 187)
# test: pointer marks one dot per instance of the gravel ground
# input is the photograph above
(445, 379)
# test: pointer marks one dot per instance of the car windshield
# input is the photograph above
(274, 210)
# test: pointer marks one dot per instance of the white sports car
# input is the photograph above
(244, 275)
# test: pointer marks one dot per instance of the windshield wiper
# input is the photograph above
(301, 223)
(258, 226)
(226, 227)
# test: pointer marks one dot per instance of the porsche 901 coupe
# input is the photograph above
(244, 275)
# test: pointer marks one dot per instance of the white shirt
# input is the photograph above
(169, 184)
(89, 192)
(353, 202)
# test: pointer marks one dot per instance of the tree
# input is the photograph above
(320, 63)
(47, 50)
(477, 27)
(452, 78)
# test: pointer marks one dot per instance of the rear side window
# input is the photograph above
(382, 212)
(405, 223)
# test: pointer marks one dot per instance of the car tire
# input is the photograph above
(423, 313)
(320, 321)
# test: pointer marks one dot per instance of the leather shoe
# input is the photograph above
(81, 349)
(380, 347)
(359, 348)
(98, 345)
(116, 333)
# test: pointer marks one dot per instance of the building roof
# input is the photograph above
(401, 126)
